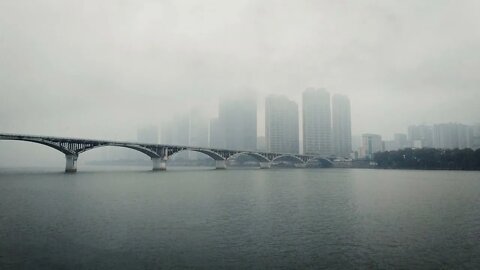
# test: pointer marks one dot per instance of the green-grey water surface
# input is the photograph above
(240, 219)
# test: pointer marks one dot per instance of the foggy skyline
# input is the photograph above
(104, 69)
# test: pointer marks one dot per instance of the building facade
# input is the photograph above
(420, 136)
(341, 126)
(281, 125)
(475, 136)
(187, 129)
(316, 122)
(401, 140)
(261, 144)
(452, 136)
(371, 143)
(238, 119)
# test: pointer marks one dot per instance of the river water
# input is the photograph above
(240, 219)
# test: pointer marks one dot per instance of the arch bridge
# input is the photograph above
(159, 153)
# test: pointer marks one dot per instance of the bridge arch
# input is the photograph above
(324, 161)
(289, 156)
(31, 154)
(141, 149)
(42, 142)
(257, 156)
(220, 160)
(214, 155)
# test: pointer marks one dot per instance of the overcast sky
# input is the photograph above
(103, 68)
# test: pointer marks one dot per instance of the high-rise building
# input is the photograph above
(356, 142)
(390, 145)
(238, 118)
(198, 133)
(475, 136)
(181, 130)
(401, 140)
(316, 122)
(451, 136)
(420, 136)
(371, 143)
(281, 125)
(188, 129)
(261, 144)
(341, 126)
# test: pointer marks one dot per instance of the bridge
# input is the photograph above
(159, 153)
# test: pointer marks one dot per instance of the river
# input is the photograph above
(239, 219)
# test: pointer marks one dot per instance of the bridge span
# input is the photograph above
(159, 153)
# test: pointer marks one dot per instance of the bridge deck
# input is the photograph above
(73, 147)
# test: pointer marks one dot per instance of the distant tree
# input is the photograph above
(429, 158)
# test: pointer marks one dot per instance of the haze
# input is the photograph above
(102, 69)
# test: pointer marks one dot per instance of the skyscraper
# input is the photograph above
(371, 143)
(198, 133)
(401, 140)
(261, 144)
(420, 136)
(187, 129)
(475, 136)
(238, 118)
(281, 125)
(451, 136)
(341, 126)
(316, 122)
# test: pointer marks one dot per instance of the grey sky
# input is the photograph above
(103, 68)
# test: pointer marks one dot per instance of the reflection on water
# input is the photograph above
(278, 218)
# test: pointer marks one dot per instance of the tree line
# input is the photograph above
(429, 158)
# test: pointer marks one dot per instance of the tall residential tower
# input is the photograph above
(341, 126)
(238, 119)
(316, 122)
(281, 125)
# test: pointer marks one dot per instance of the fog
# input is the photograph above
(102, 69)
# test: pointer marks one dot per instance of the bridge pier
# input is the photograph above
(220, 164)
(265, 165)
(159, 164)
(71, 164)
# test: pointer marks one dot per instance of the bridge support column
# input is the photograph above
(71, 164)
(159, 164)
(220, 164)
(265, 165)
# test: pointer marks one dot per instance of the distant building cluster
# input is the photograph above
(236, 125)
(326, 124)
(186, 129)
(323, 127)
(440, 136)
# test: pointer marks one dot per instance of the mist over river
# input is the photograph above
(232, 219)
